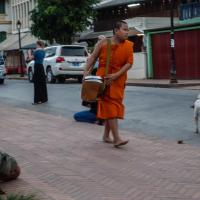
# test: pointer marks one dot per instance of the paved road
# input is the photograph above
(156, 112)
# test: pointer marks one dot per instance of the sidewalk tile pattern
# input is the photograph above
(65, 160)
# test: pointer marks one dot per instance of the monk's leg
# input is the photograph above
(106, 137)
(113, 124)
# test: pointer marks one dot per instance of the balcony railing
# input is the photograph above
(189, 11)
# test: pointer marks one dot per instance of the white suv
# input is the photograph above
(61, 62)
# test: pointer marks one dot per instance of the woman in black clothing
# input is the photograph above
(39, 78)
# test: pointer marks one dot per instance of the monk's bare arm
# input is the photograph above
(123, 70)
(93, 58)
(111, 77)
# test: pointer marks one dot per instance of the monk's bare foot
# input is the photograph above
(107, 140)
(121, 143)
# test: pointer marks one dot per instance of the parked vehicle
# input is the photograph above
(61, 62)
(2, 70)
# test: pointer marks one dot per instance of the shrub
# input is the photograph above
(19, 197)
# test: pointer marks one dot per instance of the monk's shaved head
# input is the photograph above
(118, 25)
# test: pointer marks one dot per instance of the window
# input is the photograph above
(2, 36)
(73, 51)
(50, 52)
(2, 7)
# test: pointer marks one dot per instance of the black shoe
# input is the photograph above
(36, 103)
(40, 102)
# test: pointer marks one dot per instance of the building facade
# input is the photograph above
(14, 11)
(17, 10)
(140, 15)
(21, 11)
(187, 40)
(5, 19)
(110, 11)
(144, 15)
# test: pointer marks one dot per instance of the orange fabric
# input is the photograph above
(110, 105)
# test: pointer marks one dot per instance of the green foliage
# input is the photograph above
(59, 20)
(19, 197)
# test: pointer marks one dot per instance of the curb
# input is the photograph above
(16, 78)
(159, 85)
(131, 83)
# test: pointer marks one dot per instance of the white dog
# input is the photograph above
(197, 112)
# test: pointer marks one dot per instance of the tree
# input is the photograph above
(59, 20)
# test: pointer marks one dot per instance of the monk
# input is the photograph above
(110, 105)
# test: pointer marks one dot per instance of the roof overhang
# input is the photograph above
(113, 3)
(94, 35)
(12, 42)
(176, 27)
(137, 26)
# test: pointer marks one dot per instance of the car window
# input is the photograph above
(50, 52)
(73, 51)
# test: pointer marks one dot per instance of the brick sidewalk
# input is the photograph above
(65, 160)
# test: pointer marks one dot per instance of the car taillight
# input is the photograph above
(60, 59)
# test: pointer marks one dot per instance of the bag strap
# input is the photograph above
(108, 55)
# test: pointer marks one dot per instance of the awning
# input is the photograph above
(12, 42)
(30, 46)
(94, 35)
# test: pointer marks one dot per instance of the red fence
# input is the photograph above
(187, 48)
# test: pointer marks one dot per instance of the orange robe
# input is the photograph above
(110, 105)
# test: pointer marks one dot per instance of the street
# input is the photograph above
(155, 112)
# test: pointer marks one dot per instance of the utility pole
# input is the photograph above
(173, 78)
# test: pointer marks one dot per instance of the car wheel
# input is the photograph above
(30, 75)
(1, 81)
(80, 78)
(61, 79)
(50, 76)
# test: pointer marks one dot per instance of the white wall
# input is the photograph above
(21, 11)
(8, 10)
(5, 19)
(138, 70)
(5, 28)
